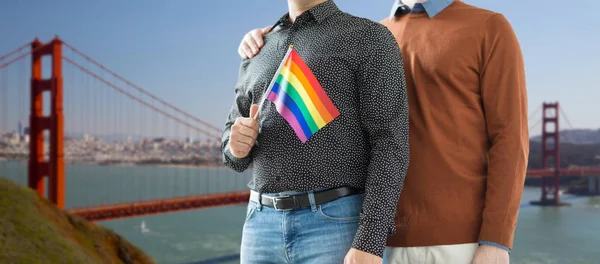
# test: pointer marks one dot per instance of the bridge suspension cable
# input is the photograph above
(17, 50)
(176, 109)
(139, 100)
(533, 117)
(576, 135)
(20, 57)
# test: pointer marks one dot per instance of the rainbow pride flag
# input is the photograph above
(299, 97)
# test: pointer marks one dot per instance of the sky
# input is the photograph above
(185, 51)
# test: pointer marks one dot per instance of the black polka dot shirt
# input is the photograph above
(359, 65)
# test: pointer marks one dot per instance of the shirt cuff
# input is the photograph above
(484, 242)
(237, 164)
(233, 158)
(370, 238)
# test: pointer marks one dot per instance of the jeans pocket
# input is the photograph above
(250, 211)
(345, 209)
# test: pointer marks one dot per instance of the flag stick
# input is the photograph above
(264, 97)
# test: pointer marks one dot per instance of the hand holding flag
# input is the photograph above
(299, 97)
(243, 134)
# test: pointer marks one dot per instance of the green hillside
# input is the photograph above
(33, 230)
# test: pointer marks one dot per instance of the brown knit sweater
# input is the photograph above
(468, 127)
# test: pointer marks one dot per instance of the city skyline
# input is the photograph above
(188, 57)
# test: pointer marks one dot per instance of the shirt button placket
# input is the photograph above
(293, 30)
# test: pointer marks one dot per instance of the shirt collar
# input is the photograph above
(324, 10)
(432, 7)
(319, 13)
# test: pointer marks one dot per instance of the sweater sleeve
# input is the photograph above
(504, 99)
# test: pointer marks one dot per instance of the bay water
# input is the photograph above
(569, 234)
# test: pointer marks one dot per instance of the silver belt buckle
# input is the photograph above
(276, 200)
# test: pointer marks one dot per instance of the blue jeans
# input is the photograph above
(320, 234)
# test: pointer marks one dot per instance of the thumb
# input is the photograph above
(253, 111)
(266, 29)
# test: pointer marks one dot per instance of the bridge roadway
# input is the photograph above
(150, 207)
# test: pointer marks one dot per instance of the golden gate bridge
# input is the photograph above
(74, 104)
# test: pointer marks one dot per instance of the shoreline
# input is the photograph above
(128, 164)
(204, 166)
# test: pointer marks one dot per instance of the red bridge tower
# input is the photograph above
(39, 166)
(550, 154)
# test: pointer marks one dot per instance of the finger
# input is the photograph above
(241, 50)
(241, 138)
(250, 40)
(238, 123)
(248, 131)
(244, 140)
(242, 53)
(266, 29)
(240, 150)
(235, 128)
(254, 111)
(245, 50)
(257, 36)
(249, 123)
(241, 130)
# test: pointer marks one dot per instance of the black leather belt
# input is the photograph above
(287, 203)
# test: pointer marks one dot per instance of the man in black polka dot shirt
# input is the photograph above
(469, 134)
(332, 196)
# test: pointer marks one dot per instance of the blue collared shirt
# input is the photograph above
(432, 8)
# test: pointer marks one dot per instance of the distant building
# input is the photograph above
(20, 128)
(189, 140)
(15, 138)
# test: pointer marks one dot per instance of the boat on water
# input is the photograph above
(143, 227)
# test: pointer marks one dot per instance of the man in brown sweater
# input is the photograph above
(469, 139)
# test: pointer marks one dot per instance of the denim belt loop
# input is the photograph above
(313, 204)
(259, 207)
